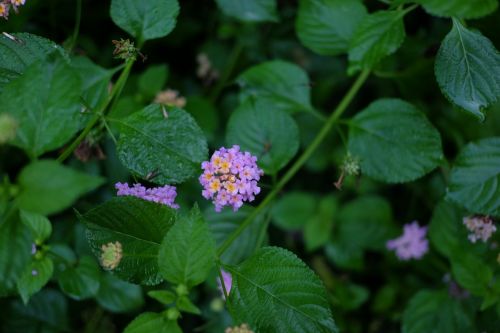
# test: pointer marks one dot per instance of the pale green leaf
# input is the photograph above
(250, 10)
(327, 26)
(172, 147)
(394, 141)
(165, 297)
(274, 291)
(468, 70)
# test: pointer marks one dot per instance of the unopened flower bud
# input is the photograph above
(111, 255)
(8, 125)
(173, 314)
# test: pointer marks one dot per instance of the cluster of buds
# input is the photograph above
(8, 128)
(170, 97)
(7, 5)
(205, 69)
(230, 178)
(412, 244)
(243, 328)
(111, 255)
(350, 167)
(481, 227)
(126, 50)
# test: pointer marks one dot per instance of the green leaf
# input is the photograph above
(17, 55)
(145, 20)
(327, 26)
(95, 80)
(165, 297)
(205, 114)
(467, 70)
(149, 322)
(250, 10)
(222, 224)
(81, 281)
(48, 187)
(377, 36)
(472, 273)
(46, 312)
(475, 177)
(281, 84)
(395, 141)
(187, 253)
(185, 305)
(15, 252)
(45, 101)
(293, 210)
(466, 9)
(434, 311)
(118, 296)
(274, 291)
(139, 226)
(35, 276)
(173, 147)
(152, 80)
(318, 228)
(345, 256)
(38, 224)
(265, 131)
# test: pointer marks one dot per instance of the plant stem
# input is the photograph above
(115, 92)
(233, 60)
(76, 31)
(339, 110)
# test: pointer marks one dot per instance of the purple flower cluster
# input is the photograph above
(164, 195)
(412, 244)
(481, 227)
(230, 178)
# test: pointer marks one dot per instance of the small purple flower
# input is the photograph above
(34, 272)
(230, 178)
(228, 282)
(33, 248)
(412, 244)
(163, 195)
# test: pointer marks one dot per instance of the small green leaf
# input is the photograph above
(205, 113)
(82, 281)
(165, 297)
(145, 20)
(318, 228)
(48, 187)
(274, 291)
(150, 322)
(327, 26)
(467, 70)
(172, 146)
(267, 132)
(467, 9)
(472, 273)
(434, 311)
(394, 141)
(377, 36)
(250, 10)
(35, 276)
(187, 253)
(345, 256)
(152, 80)
(45, 101)
(281, 84)
(293, 210)
(475, 177)
(39, 225)
(17, 55)
(185, 305)
(139, 226)
(118, 296)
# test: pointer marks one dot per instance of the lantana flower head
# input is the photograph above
(412, 244)
(111, 255)
(481, 227)
(230, 178)
(7, 5)
(164, 195)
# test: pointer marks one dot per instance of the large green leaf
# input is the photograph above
(82, 280)
(434, 311)
(267, 132)
(282, 84)
(395, 141)
(187, 253)
(45, 101)
(35, 276)
(16, 55)
(173, 147)
(48, 187)
(472, 273)
(274, 291)
(327, 26)
(468, 70)
(250, 10)
(150, 322)
(466, 9)
(293, 210)
(119, 296)
(377, 36)
(145, 19)
(475, 177)
(139, 226)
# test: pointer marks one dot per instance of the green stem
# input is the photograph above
(115, 92)
(233, 60)
(339, 110)
(76, 31)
